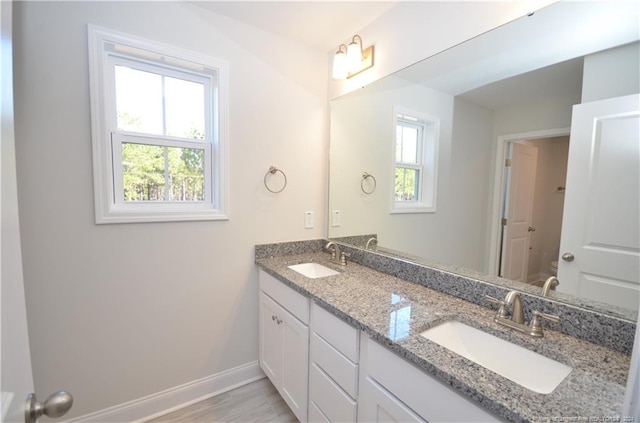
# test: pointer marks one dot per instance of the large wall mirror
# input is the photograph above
(431, 159)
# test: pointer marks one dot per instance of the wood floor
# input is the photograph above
(256, 402)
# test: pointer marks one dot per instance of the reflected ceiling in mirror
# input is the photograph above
(521, 78)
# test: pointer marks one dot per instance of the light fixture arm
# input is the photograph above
(353, 41)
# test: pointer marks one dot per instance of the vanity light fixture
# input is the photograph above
(353, 59)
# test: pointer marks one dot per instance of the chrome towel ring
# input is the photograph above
(273, 170)
(366, 176)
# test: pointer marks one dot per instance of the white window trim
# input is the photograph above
(107, 209)
(428, 157)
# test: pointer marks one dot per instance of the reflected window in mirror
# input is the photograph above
(415, 162)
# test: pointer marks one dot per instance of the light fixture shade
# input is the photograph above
(354, 57)
(340, 70)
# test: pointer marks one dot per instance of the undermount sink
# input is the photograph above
(518, 364)
(313, 270)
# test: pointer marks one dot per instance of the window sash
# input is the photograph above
(418, 183)
(402, 122)
(210, 113)
(117, 140)
(420, 128)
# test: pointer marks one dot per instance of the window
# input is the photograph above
(415, 162)
(159, 131)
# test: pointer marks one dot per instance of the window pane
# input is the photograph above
(143, 172)
(186, 174)
(409, 144)
(406, 186)
(184, 103)
(138, 100)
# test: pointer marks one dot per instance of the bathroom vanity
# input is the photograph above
(358, 354)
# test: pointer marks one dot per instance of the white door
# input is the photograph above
(600, 245)
(519, 209)
(15, 371)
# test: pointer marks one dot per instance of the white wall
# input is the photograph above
(611, 73)
(117, 312)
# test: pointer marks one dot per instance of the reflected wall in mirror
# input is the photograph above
(508, 93)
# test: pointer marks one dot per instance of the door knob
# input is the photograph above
(567, 257)
(56, 405)
(532, 229)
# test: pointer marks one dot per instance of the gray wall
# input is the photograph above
(117, 312)
(611, 73)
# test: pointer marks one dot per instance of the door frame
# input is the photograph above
(495, 224)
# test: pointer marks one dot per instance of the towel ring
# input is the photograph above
(273, 170)
(366, 176)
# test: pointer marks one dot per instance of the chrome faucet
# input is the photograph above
(516, 319)
(333, 248)
(549, 284)
(372, 240)
(336, 255)
(513, 299)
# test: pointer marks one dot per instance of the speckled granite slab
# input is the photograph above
(394, 312)
(614, 330)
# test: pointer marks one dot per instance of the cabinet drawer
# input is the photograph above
(336, 365)
(293, 302)
(427, 396)
(379, 406)
(340, 335)
(315, 415)
(329, 398)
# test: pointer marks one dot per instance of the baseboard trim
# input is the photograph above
(172, 399)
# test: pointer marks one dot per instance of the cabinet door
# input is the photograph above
(270, 339)
(378, 405)
(295, 364)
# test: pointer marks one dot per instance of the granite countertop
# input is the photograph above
(394, 312)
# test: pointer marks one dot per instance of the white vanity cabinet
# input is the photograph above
(284, 341)
(394, 390)
(333, 368)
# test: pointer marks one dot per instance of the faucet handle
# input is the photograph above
(549, 317)
(536, 322)
(343, 258)
(502, 311)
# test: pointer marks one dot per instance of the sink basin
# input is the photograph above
(518, 364)
(313, 270)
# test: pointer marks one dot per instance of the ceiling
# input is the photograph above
(318, 24)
